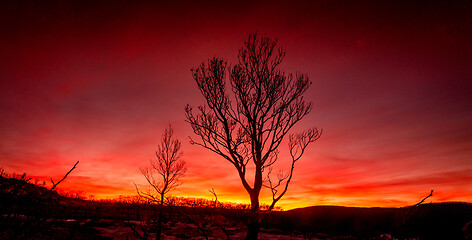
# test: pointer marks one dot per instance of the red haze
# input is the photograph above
(98, 83)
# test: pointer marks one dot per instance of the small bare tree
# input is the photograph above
(249, 126)
(165, 173)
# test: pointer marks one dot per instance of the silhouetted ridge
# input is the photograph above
(427, 221)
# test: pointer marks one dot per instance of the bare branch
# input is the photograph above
(54, 185)
(297, 145)
(420, 202)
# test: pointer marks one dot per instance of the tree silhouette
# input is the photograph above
(165, 172)
(247, 127)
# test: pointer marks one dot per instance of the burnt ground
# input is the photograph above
(29, 211)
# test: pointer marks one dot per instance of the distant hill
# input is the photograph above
(427, 221)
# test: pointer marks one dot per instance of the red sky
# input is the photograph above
(392, 91)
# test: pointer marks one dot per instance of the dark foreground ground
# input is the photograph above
(29, 211)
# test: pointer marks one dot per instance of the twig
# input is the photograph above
(420, 202)
(54, 185)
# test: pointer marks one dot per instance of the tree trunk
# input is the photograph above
(253, 220)
(159, 221)
(253, 227)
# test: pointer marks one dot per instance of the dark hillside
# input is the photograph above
(19, 196)
(427, 221)
(333, 220)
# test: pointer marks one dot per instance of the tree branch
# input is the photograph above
(54, 185)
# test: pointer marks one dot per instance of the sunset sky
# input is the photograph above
(99, 82)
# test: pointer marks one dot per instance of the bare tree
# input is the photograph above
(247, 127)
(165, 173)
(212, 191)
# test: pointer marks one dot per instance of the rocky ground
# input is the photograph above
(121, 231)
